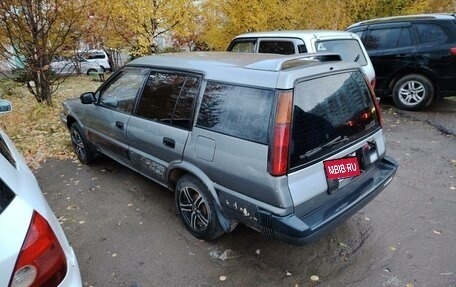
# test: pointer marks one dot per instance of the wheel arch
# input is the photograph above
(433, 78)
(70, 121)
(177, 170)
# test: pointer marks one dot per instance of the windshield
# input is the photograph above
(328, 113)
(349, 49)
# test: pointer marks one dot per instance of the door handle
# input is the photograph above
(169, 142)
(119, 125)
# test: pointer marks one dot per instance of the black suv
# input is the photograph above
(414, 57)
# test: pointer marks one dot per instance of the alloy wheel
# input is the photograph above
(78, 144)
(193, 208)
(412, 92)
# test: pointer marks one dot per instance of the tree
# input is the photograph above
(35, 31)
(142, 22)
(227, 18)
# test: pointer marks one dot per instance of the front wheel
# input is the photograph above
(196, 208)
(80, 145)
(413, 92)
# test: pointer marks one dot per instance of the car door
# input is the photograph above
(159, 129)
(390, 49)
(107, 119)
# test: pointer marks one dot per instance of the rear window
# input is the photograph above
(6, 196)
(242, 112)
(328, 113)
(349, 50)
(276, 47)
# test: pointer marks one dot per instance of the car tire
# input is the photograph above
(413, 92)
(196, 208)
(80, 144)
(91, 71)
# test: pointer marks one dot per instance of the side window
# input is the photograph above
(349, 50)
(244, 46)
(169, 98)
(379, 39)
(276, 47)
(120, 93)
(302, 48)
(6, 152)
(359, 34)
(241, 112)
(429, 33)
(405, 39)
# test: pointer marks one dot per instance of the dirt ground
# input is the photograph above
(125, 230)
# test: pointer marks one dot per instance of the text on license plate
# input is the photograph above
(342, 168)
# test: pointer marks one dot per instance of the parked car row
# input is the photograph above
(289, 145)
(414, 56)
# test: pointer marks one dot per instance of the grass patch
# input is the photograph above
(36, 129)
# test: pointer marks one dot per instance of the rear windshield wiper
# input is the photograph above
(331, 143)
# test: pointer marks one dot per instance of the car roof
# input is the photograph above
(304, 34)
(437, 16)
(243, 68)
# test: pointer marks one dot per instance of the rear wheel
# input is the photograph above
(196, 208)
(91, 71)
(413, 92)
(80, 145)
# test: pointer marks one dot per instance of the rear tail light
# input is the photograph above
(41, 261)
(376, 101)
(453, 51)
(278, 149)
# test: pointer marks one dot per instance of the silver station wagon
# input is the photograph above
(287, 145)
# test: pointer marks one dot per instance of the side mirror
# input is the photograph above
(5, 106)
(88, 98)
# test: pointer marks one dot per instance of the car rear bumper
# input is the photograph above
(302, 230)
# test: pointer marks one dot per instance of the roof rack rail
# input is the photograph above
(288, 62)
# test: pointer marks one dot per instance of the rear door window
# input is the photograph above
(428, 33)
(389, 38)
(328, 113)
(349, 49)
(242, 112)
(381, 39)
(169, 98)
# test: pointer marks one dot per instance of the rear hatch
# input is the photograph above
(336, 137)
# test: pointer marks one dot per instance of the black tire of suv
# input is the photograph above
(80, 145)
(196, 208)
(414, 80)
